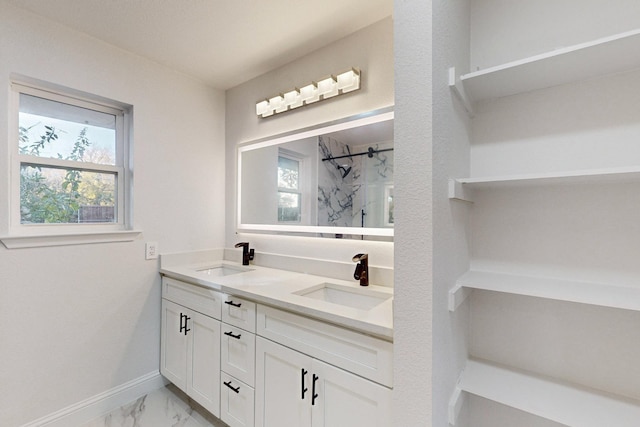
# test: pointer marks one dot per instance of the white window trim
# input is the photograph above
(17, 235)
(303, 189)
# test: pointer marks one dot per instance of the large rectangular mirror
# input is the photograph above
(334, 180)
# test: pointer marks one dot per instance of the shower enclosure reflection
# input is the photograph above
(333, 181)
(353, 178)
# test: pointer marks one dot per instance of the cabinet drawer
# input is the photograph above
(361, 354)
(238, 353)
(236, 402)
(198, 298)
(239, 312)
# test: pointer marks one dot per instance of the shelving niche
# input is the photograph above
(557, 401)
(583, 61)
(549, 398)
(462, 188)
(601, 294)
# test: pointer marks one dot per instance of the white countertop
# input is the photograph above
(277, 288)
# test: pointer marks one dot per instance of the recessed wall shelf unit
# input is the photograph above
(605, 295)
(555, 400)
(535, 162)
(459, 188)
(600, 57)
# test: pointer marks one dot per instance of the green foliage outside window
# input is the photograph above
(56, 195)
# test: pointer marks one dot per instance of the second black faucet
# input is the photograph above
(362, 269)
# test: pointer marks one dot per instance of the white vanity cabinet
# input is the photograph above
(254, 365)
(190, 341)
(294, 389)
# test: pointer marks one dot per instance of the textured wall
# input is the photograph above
(413, 292)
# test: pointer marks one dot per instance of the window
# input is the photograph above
(289, 188)
(69, 159)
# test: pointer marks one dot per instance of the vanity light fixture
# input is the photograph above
(325, 88)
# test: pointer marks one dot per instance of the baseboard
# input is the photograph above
(93, 407)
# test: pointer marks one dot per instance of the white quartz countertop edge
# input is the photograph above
(277, 288)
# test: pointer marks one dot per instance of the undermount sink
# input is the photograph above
(222, 270)
(360, 298)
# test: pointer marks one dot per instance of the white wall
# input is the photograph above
(413, 292)
(79, 320)
(259, 171)
(531, 137)
(371, 50)
(507, 30)
(433, 141)
(451, 158)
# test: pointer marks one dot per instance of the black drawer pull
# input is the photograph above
(228, 384)
(230, 334)
(233, 303)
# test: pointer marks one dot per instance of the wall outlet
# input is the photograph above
(151, 250)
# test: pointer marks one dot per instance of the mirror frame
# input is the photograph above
(363, 119)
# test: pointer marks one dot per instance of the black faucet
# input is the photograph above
(362, 269)
(247, 254)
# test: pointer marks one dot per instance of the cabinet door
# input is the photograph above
(283, 386)
(203, 366)
(346, 400)
(173, 353)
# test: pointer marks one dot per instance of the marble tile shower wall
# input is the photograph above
(352, 190)
(337, 183)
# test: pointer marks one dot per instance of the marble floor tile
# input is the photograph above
(166, 407)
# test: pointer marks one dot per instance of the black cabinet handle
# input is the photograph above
(230, 334)
(233, 303)
(182, 316)
(186, 322)
(228, 384)
(184, 327)
(304, 389)
(314, 396)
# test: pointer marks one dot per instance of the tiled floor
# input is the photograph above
(166, 407)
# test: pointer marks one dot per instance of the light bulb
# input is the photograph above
(348, 81)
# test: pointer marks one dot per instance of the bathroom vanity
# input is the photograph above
(263, 347)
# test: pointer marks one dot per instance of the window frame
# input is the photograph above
(34, 235)
(300, 191)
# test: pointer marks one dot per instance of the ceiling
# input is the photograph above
(221, 42)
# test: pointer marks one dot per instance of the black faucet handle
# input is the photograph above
(358, 273)
(360, 257)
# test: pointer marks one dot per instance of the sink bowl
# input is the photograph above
(222, 270)
(360, 298)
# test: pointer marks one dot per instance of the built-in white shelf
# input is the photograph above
(605, 295)
(607, 55)
(459, 188)
(559, 401)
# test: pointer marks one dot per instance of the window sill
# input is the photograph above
(44, 240)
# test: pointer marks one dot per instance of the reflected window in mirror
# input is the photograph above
(289, 187)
